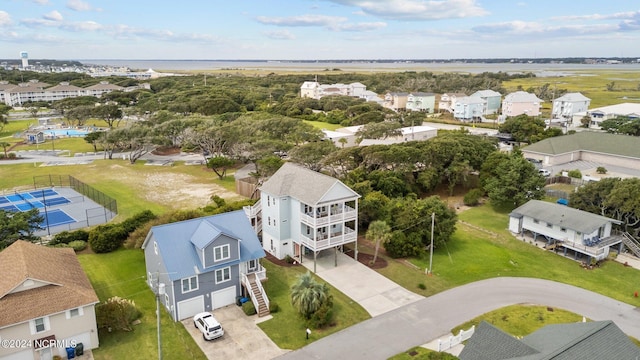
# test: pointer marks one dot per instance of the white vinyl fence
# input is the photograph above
(452, 341)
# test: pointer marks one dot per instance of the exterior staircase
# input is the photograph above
(258, 295)
(631, 243)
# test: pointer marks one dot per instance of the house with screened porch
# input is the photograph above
(302, 212)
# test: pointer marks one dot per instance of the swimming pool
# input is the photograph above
(65, 132)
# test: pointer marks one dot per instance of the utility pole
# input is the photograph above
(433, 219)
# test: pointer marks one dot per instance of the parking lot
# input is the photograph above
(242, 339)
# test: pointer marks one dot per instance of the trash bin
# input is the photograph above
(71, 353)
(238, 302)
(244, 300)
(79, 349)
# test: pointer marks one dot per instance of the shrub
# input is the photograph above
(323, 316)
(274, 307)
(218, 200)
(400, 245)
(66, 237)
(575, 173)
(12, 156)
(107, 238)
(248, 308)
(288, 259)
(117, 314)
(137, 220)
(422, 286)
(77, 245)
(601, 170)
(1, 156)
(472, 198)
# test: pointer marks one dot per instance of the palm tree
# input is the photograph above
(308, 295)
(4, 146)
(378, 232)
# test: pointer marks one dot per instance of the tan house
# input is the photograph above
(396, 100)
(521, 102)
(448, 101)
(46, 303)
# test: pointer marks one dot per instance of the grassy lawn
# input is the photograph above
(122, 273)
(287, 328)
(474, 254)
(323, 125)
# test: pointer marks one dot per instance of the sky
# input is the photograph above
(318, 29)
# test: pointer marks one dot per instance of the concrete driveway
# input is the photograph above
(374, 292)
(242, 339)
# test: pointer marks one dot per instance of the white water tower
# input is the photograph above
(25, 59)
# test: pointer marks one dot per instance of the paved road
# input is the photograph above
(422, 321)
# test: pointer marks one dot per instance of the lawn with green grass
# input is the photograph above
(482, 248)
(323, 125)
(122, 273)
(287, 328)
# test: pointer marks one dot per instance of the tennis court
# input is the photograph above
(32, 200)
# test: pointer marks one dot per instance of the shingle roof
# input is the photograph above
(64, 87)
(303, 184)
(601, 340)
(572, 97)
(521, 96)
(177, 241)
(104, 86)
(487, 93)
(561, 215)
(491, 343)
(67, 286)
(470, 100)
(605, 143)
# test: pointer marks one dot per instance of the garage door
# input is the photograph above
(84, 338)
(223, 297)
(22, 355)
(188, 308)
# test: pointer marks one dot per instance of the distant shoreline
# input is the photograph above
(300, 66)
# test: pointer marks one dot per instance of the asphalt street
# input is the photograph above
(424, 320)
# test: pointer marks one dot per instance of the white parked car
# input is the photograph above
(544, 172)
(208, 326)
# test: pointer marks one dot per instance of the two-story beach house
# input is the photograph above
(46, 303)
(205, 263)
(420, 101)
(396, 101)
(492, 99)
(568, 105)
(468, 108)
(447, 101)
(302, 212)
(521, 102)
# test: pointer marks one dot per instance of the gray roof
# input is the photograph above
(561, 215)
(419, 94)
(601, 340)
(470, 100)
(521, 96)
(490, 343)
(487, 93)
(306, 185)
(177, 241)
(573, 97)
(605, 143)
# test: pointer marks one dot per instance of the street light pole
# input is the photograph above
(160, 291)
(433, 219)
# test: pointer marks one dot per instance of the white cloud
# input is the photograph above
(358, 26)
(82, 26)
(301, 20)
(417, 9)
(41, 2)
(5, 18)
(280, 35)
(523, 28)
(53, 16)
(79, 5)
(619, 15)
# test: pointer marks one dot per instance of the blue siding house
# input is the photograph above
(205, 263)
(492, 99)
(469, 108)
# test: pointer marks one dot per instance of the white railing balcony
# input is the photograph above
(345, 213)
(327, 241)
(252, 210)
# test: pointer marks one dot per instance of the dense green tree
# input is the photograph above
(523, 127)
(622, 125)
(110, 113)
(310, 155)
(413, 217)
(93, 138)
(373, 206)
(18, 226)
(80, 114)
(515, 181)
(378, 130)
(4, 115)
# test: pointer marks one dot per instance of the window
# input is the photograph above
(253, 265)
(39, 325)
(536, 221)
(549, 225)
(223, 275)
(563, 229)
(269, 218)
(155, 247)
(166, 301)
(221, 252)
(189, 284)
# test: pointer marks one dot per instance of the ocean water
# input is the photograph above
(359, 65)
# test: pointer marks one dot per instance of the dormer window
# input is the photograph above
(221, 252)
